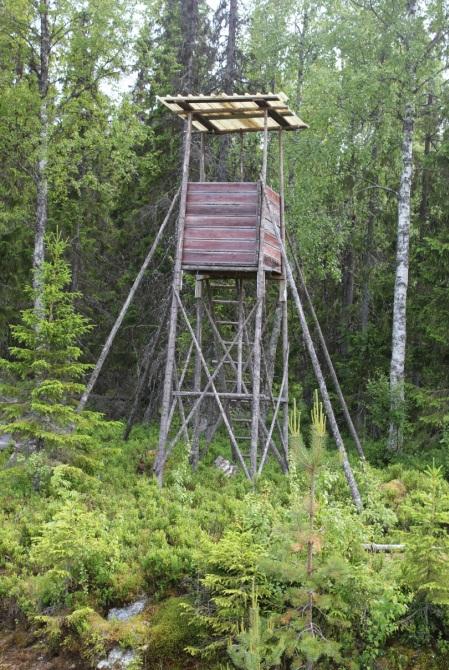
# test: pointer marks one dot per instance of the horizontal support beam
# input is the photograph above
(224, 394)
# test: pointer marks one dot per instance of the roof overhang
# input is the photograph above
(235, 113)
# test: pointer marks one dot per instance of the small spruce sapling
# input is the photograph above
(40, 384)
(427, 543)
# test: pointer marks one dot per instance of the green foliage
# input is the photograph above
(425, 565)
(74, 553)
(255, 648)
(80, 533)
(231, 569)
(328, 597)
(169, 633)
(43, 378)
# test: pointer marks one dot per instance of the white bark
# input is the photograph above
(42, 160)
(399, 327)
(41, 209)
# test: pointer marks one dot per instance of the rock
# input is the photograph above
(5, 441)
(117, 659)
(225, 466)
(125, 613)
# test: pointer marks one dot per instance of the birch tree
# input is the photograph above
(420, 66)
(47, 30)
(415, 39)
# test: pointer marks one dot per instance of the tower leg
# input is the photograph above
(167, 392)
(195, 451)
(177, 280)
(285, 351)
(257, 353)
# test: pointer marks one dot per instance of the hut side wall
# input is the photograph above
(271, 217)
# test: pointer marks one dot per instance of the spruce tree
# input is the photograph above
(40, 384)
(427, 545)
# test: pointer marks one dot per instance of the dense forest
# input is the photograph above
(100, 566)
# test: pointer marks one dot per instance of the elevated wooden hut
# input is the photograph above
(229, 237)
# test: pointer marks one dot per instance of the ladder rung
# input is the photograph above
(229, 323)
(222, 286)
(237, 420)
(243, 437)
(225, 302)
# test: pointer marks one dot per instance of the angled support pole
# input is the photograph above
(283, 294)
(327, 357)
(195, 449)
(355, 493)
(260, 293)
(270, 432)
(107, 345)
(177, 280)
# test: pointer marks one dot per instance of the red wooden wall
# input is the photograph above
(271, 216)
(222, 227)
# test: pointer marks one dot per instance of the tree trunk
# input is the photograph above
(425, 183)
(367, 268)
(397, 366)
(301, 57)
(42, 159)
(187, 56)
(347, 298)
(228, 84)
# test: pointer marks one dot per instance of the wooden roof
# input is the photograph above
(235, 113)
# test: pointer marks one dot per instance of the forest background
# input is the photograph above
(86, 162)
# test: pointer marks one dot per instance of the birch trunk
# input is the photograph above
(42, 159)
(228, 84)
(399, 328)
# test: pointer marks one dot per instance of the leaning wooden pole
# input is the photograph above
(327, 357)
(177, 281)
(118, 322)
(319, 376)
(260, 294)
(283, 295)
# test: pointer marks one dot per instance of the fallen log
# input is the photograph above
(375, 548)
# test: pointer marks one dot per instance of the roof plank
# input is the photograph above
(235, 113)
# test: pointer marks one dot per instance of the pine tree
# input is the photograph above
(303, 626)
(40, 384)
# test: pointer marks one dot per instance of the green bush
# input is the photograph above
(170, 632)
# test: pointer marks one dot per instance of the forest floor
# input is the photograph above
(82, 538)
(18, 649)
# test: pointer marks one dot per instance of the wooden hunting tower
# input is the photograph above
(220, 368)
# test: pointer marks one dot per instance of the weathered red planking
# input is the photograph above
(222, 222)
(222, 233)
(203, 258)
(213, 222)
